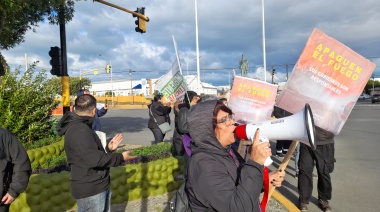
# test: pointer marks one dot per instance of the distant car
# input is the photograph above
(375, 98)
(363, 96)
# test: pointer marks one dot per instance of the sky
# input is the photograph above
(226, 31)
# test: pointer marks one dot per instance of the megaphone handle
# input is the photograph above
(269, 160)
(284, 163)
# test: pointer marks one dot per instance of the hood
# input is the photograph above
(71, 118)
(199, 121)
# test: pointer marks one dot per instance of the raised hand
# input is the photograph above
(114, 143)
(260, 151)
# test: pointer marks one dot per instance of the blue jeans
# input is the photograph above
(98, 203)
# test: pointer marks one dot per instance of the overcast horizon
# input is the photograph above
(227, 30)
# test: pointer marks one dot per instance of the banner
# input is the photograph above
(330, 77)
(172, 85)
(252, 100)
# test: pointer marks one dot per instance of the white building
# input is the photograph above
(144, 86)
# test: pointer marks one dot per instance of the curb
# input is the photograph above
(285, 202)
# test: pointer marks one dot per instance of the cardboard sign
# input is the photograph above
(330, 77)
(252, 100)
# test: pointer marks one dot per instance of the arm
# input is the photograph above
(21, 166)
(89, 150)
(162, 110)
(101, 112)
(182, 120)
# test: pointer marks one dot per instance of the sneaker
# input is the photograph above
(302, 207)
(324, 205)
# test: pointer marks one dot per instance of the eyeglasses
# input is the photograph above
(226, 120)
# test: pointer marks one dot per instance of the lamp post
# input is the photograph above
(197, 47)
(264, 55)
(111, 78)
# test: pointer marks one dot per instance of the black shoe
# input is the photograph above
(302, 207)
(280, 155)
(324, 205)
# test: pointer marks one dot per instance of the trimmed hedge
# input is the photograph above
(149, 175)
(42, 157)
(51, 192)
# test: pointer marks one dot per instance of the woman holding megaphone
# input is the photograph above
(218, 178)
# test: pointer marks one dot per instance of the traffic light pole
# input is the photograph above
(65, 76)
(123, 9)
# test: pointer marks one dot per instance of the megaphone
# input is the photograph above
(299, 126)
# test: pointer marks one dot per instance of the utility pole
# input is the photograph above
(130, 75)
(65, 76)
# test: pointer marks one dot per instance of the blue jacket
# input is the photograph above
(96, 123)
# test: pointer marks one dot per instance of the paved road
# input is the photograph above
(132, 124)
(356, 181)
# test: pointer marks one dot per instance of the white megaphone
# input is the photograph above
(299, 126)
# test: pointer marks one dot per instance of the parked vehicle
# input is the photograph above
(363, 96)
(375, 98)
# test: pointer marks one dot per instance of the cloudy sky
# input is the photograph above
(227, 30)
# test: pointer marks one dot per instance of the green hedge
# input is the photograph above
(44, 157)
(51, 192)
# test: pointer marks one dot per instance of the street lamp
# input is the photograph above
(264, 54)
(111, 78)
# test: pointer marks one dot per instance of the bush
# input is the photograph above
(58, 163)
(25, 102)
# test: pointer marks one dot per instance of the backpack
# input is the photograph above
(180, 201)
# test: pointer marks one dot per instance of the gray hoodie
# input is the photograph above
(215, 181)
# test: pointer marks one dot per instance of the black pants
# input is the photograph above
(282, 146)
(4, 208)
(324, 162)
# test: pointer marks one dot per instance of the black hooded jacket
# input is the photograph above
(215, 182)
(14, 165)
(88, 161)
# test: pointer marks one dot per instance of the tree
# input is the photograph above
(19, 16)
(25, 104)
(74, 84)
(370, 84)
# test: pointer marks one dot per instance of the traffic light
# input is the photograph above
(108, 69)
(55, 61)
(272, 71)
(141, 23)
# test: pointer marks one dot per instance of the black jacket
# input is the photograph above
(88, 161)
(216, 182)
(14, 165)
(160, 113)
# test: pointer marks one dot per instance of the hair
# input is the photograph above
(189, 96)
(157, 97)
(223, 99)
(85, 103)
(219, 106)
